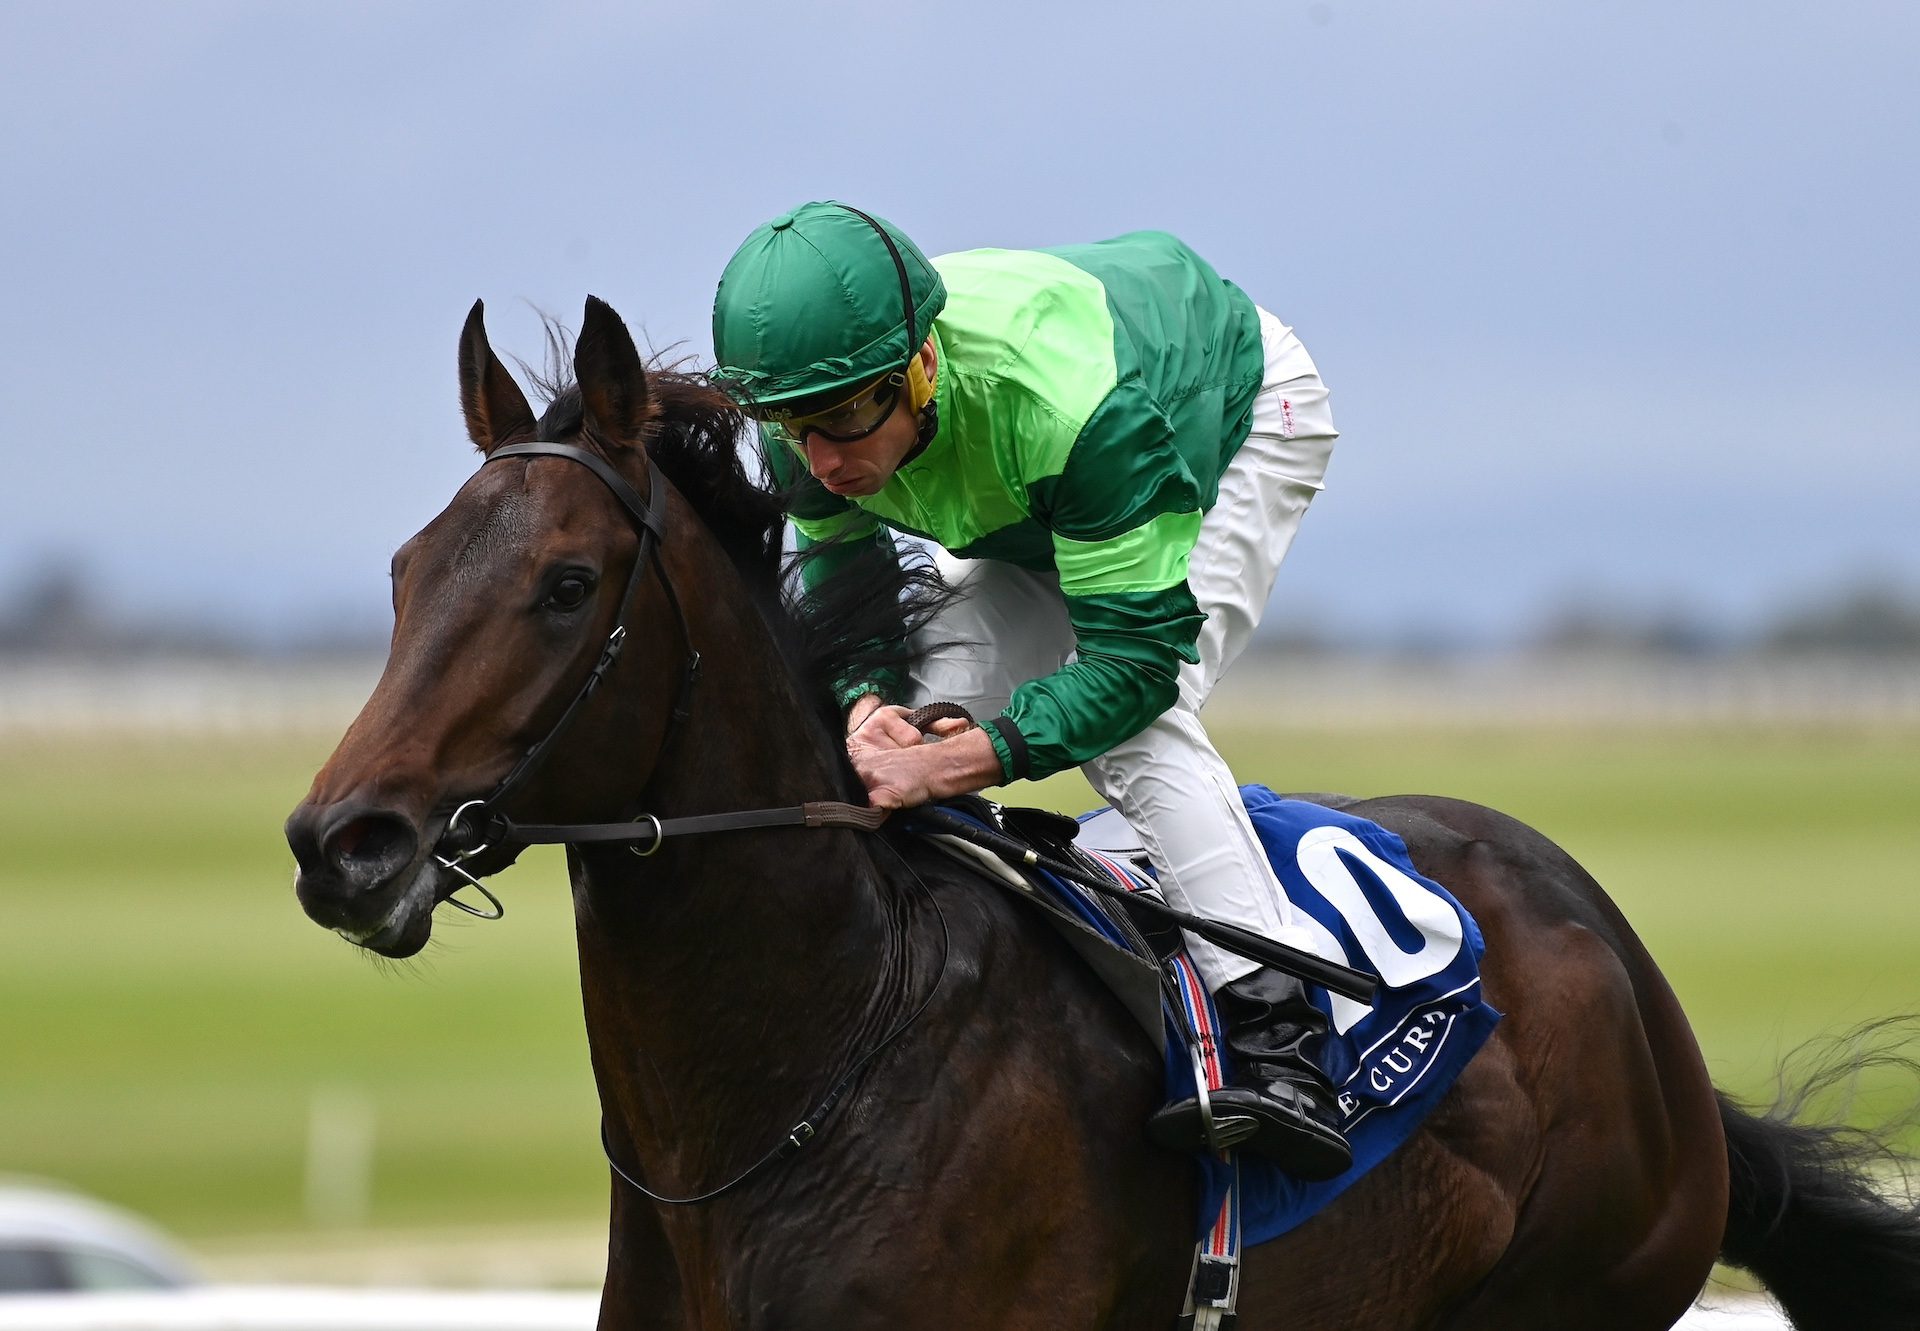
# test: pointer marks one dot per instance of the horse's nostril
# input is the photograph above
(346, 842)
(370, 847)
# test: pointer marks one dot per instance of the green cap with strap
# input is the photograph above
(818, 302)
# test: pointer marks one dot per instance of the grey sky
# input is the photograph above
(1619, 298)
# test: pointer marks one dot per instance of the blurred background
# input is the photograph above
(1623, 535)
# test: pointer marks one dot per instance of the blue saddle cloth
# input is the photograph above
(1390, 1062)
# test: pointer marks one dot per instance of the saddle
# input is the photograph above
(1355, 888)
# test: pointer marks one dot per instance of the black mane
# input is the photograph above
(699, 439)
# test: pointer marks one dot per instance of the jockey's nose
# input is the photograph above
(357, 847)
(823, 459)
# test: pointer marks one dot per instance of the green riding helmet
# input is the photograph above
(818, 302)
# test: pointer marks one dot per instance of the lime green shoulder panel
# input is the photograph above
(1031, 338)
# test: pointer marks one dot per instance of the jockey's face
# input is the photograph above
(864, 466)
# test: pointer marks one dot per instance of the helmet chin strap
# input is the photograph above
(926, 410)
(929, 426)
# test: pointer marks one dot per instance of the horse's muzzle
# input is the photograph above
(354, 860)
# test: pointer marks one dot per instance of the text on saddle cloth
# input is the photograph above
(1356, 892)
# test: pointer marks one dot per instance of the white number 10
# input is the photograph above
(1437, 923)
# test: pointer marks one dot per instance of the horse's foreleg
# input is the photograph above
(642, 1290)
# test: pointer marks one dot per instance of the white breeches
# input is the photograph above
(1169, 782)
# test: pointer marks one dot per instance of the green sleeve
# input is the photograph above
(1125, 674)
(1124, 514)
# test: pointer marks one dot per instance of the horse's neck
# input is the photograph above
(728, 978)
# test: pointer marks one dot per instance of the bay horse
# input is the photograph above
(981, 1161)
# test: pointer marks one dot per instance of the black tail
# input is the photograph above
(1805, 1216)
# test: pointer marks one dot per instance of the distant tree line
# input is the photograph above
(57, 613)
(1868, 619)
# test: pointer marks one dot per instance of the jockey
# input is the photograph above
(1113, 447)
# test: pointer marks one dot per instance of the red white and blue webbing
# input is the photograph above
(1215, 1284)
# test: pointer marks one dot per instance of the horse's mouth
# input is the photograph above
(407, 925)
(398, 939)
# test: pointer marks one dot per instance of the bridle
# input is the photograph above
(478, 824)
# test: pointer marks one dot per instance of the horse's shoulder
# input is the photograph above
(985, 915)
(1008, 940)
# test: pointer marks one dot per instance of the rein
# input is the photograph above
(815, 813)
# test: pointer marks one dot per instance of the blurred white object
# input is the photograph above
(69, 1263)
(340, 1141)
(289, 1308)
(53, 1240)
(1746, 1314)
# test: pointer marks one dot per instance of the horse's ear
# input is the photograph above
(496, 409)
(613, 380)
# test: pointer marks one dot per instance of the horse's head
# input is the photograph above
(503, 605)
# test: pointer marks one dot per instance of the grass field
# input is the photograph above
(168, 1017)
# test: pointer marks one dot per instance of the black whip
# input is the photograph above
(1342, 980)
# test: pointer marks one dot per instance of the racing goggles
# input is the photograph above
(849, 421)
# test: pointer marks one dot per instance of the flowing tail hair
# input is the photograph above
(1806, 1210)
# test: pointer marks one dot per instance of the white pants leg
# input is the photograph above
(1169, 782)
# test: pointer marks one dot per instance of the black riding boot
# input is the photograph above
(1280, 1104)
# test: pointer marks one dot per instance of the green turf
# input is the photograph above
(171, 1015)
(168, 1016)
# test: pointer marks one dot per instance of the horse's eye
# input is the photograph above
(570, 591)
